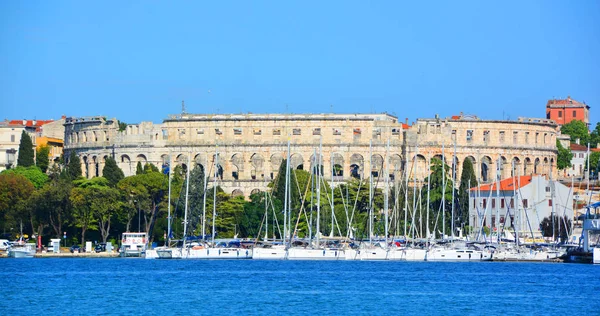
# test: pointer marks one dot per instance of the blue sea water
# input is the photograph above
(177, 287)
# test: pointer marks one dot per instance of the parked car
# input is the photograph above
(75, 248)
(101, 247)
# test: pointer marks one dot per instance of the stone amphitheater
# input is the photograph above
(246, 150)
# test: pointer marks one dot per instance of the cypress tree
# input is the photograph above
(25, 158)
(467, 180)
(74, 166)
(41, 159)
(148, 167)
(112, 172)
(138, 169)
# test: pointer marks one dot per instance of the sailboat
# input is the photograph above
(194, 248)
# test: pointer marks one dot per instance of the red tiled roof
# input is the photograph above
(567, 101)
(29, 123)
(577, 147)
(506, 184)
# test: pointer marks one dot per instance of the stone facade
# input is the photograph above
(250, 147)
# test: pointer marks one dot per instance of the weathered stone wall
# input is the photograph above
(251, 147)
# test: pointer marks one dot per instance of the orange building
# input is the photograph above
(566, 110)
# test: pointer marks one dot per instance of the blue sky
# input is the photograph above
(137, 60)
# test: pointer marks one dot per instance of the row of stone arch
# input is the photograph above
(236, 166)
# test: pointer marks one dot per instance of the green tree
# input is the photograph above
(148, 167)
(468, 180)
(594, 161)
(26, 154)
(146, 192)
(15, 191)
(560, 227)
(576, 130)
(138, 168)
(112, 172)
(595, 136)
(441, 191)
(33, 174)
(73, 170)
(41, 159)
(563, 159)
(53, 206)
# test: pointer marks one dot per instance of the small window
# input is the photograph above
(237, 131)
(276, 131)
(486, 136)
(12, 138)
(559, 113)
(395, 131)
(547, 189)
(336, 131)
(484, 203)
(494, 203)
(356, 131)
(453, 134)
(200, 131)
(218, 131)
(550, 202)
(525, 203)
(537, 136)
(512, 203)
(296, 131)
(376, 132)
(165, 134)
(574, 114)
(316, 131)
(502, 203)
(502, 136)
(526, 137)
(515, 137)
(469, 135)
(257, 131)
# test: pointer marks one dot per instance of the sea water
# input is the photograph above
(209, 287)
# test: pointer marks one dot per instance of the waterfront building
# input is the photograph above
(522, 201)
(563, 111)
(250, 147)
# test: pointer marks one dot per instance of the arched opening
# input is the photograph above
(257, 163)
(87, 169)
(376, 165)
(527, 166)
(316, 164)
(536, 166)
(356, 166)
(254, 191)
(237, 192)
(337, 162)
(486, 163)
(297, 162)
(516, 163)
(275, 160)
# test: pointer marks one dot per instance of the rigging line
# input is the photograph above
(332, 208)
(301, 207)
(354, 208)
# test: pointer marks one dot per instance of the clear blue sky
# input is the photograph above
(137, 60)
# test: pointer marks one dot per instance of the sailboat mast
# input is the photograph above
(187, 190)
(317, 172)
(266, 209)
(204, 202)
(285, 199)
(214, 216)
(453, 189)
(169, 205)
(428, 188)
(371, 192)
(443, 193)
(332, 205)
(498, 179)
(386, 198)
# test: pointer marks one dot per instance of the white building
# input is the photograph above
(10, 138)
(519, 202)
